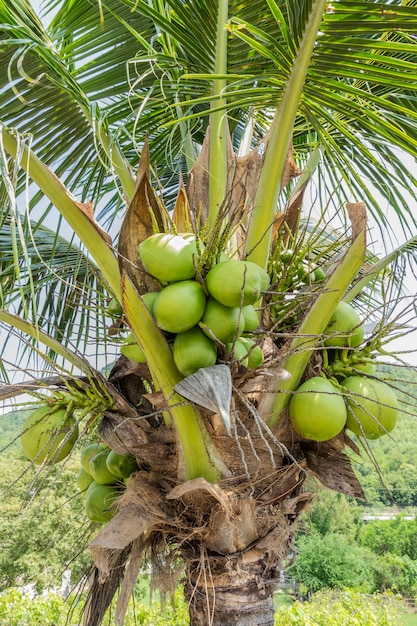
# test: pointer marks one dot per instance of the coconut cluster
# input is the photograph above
(49, 436)
(103, 476)
(204, 319)
(321, 407)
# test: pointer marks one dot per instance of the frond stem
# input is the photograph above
(260, 226)
(218, 120)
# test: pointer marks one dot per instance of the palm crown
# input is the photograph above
(247, 101)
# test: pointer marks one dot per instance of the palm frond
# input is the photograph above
(142, 67)
(54, 284)
(122, 69)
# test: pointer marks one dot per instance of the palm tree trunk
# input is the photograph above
(234, 590)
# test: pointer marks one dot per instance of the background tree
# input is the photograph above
(331, 512)
(333, 527)
(332, 562)
(43, 526)
(291, 84)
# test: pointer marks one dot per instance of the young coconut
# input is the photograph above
(344, 328)
(49, 434)
(317, 410)
(250, 316)
(83, 479)
(88, 452)
(168, 257)
(99, 470)
(221, 322)
(132, 350)
(100, 501)
(193, 350)
(373, 407)
(237, 283)
(121, 465)
(179, 306)
(254, 353)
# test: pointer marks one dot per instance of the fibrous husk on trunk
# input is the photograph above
(236, 537)
(232, 536)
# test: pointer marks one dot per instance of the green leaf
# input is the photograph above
(77, 215)
(14, 321)
(264, 206)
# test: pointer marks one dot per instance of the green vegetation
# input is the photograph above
(19, 610)
(374, 556)
(42, 526)
(327, 608)
(340, 565)
(396, 536)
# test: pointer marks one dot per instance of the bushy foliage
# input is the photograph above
(331, 561)
(326, 608)
(394, 545)
(338, 608)
(17, 609)
(336, 549)
(397, 536)
(331, 512)
(397, 573)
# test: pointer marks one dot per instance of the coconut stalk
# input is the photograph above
(300, 349)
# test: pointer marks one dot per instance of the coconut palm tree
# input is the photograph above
(133, 118)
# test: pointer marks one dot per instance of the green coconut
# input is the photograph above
(99, 470)
(250, 315)
(179, 306)
(100, 501)
(373, 407)
(83, 479)
(237, 283)
(222, 322)
(317, 410)
(132, 350)
(254, 353)
(89, 451)
(344, 328)
(49, 434)
(192, 350)
(169, 257)
(121, 465)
